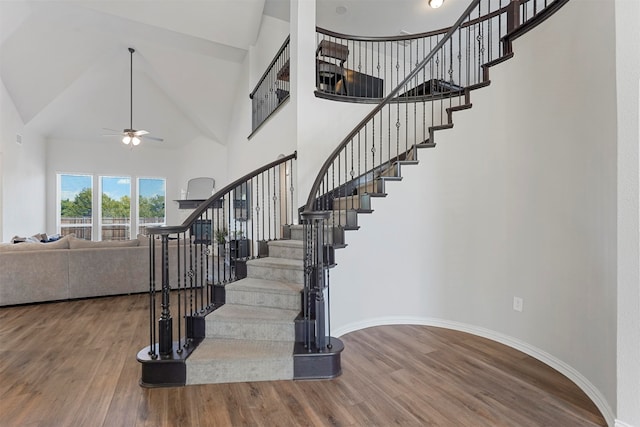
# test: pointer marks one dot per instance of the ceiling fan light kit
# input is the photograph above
(435, 3)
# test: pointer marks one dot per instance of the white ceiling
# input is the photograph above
(65, 64)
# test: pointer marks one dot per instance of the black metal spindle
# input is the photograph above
(152, 297)
(275, 210)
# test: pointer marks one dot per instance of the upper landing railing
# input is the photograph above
(272, 89)
(367, 69)
(417, 81)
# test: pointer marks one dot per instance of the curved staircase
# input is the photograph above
(275, 323)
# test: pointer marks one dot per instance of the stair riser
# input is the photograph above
(345, 218)
(371, 187)
(261, 299)
(219, 372)
(352, 202)
(278, 274)
(250, 330)
(335, 237)
(278, 251)
(391, 171)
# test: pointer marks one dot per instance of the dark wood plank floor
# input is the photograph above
(73, 364)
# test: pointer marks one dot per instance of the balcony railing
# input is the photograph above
(367, 69)
(272, 88)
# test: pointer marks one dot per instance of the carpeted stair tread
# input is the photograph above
(258, 292)
(287, 243)
(292, 264)
(280, 269)
(255, 284)
(245, 322)
(225, 348)
(248, 312)
(227, 360)
(291, 249)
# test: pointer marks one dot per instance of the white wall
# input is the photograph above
(23, 174)
(628, 91)
(519, 199)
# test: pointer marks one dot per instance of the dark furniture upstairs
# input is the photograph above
(330, 67)
(333, 78)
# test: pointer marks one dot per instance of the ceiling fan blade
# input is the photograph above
(140, 132)
(152, 138)
(113, 130)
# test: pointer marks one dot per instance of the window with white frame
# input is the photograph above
(119, 213)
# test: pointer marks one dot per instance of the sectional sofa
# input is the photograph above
(72, 268)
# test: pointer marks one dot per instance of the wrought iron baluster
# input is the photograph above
(268, 204)
(166, 321)
(179, 292)
(152, 297)
(292, 189)
(275, 210)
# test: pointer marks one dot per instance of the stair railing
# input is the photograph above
(272, 89)
(404, 121)
(191, 263)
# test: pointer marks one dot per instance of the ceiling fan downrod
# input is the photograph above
(131, 137)
(131, 51)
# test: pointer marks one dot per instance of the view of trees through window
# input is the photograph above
(115, 204)
(76, 213)
(151, 208)
(76, 205)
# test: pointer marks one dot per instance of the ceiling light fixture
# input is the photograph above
(435, 3)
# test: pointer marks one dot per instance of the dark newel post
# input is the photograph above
(314, 278)
(319, 288)
(165, 324)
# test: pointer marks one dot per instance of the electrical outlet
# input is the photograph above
(518, 303)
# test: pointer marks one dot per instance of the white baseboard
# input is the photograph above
(622, 424)
(585, 385)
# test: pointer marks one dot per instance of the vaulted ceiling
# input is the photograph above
(65, 64)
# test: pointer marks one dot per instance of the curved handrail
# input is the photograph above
(171, 229)
(404, 37)
(327, 164)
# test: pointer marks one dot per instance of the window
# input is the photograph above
(151, 199)
(115, 208)
(75, 205)
(116, 215)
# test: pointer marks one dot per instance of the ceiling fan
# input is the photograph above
(131, 135)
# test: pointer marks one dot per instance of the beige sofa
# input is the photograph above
(72, 268)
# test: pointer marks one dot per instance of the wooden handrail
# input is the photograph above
(273, 62)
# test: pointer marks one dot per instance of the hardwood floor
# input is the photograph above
(73, 364)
